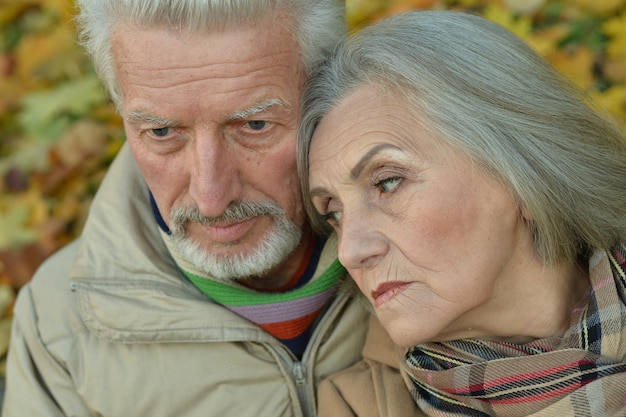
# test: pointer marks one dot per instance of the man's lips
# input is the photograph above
(230, 232)
(387, 291)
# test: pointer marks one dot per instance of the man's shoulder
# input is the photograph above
(45, 306)
(47, 296)
(55, 271)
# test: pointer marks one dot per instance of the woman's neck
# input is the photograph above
(544, 301)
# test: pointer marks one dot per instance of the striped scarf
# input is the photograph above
(582, 373)
(288, 316)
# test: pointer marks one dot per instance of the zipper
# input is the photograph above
(299, 372)
(301, 378)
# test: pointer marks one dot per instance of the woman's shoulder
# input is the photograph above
(373, 387)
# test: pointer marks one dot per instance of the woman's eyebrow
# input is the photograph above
(356, 171)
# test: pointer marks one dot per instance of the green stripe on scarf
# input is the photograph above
(232, 296)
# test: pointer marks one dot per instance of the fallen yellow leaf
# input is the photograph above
(576, 65)
(599, 7)
(35, 52)
(499, 14)
(526, 7)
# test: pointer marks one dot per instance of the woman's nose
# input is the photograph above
(360, 244)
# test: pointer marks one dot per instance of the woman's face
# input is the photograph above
(433, 243)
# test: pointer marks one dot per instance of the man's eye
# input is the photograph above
(256, 124)
(160, 132)
(388, 184)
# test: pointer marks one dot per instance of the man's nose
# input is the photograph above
(215, 174)
(361, 243)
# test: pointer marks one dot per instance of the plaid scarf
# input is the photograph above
(582, 373)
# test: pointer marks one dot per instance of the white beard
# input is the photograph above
(273, 249)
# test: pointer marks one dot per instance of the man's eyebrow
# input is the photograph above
(356, 170)
(256, 109)
(140, 116)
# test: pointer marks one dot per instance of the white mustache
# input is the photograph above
(235, 212)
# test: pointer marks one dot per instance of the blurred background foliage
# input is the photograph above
(59, 132)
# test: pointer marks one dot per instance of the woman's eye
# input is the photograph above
(160, 132)
(388, 184)
(332, 217)
(256, 124)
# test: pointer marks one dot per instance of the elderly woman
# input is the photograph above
(480, 206)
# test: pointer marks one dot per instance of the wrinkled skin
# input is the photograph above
(440, 250)
(211, 121)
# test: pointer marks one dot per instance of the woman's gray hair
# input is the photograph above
(319, 24)
(478, 87)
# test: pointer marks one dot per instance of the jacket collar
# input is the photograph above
(129, 287)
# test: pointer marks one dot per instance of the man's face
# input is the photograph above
(211, 120)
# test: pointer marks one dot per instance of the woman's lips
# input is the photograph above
(387, 291)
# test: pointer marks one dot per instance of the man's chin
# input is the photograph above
(238, 260)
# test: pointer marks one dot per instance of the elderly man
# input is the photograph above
(197, 287)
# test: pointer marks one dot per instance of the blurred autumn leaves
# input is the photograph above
(57, 135)
(58, 132)
(584, 39)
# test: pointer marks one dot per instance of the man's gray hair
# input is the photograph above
(317, 25)
(476, 86)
